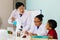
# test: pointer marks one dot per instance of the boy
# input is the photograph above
(51, 25)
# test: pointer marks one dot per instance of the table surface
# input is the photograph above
(5, 36)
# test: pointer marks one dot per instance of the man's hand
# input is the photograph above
(13, 19)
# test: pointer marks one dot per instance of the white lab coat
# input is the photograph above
(40, 32)
(25, 20)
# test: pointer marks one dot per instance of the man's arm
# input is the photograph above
(11, 18)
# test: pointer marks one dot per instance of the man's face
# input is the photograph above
(37, 22)
(21, 9)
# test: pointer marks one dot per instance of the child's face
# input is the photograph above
(47, 26)
(37, 22)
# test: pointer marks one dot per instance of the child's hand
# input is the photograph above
(50, 37)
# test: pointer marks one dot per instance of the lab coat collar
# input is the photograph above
(40, 26)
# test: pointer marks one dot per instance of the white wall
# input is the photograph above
(6, 6)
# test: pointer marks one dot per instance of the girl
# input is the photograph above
(38, 28)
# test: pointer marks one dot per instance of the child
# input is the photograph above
(51, 25)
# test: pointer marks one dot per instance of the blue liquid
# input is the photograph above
(14, 23)
(39, 36)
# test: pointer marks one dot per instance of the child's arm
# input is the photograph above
(50, 37)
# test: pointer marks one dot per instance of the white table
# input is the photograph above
(5, 36)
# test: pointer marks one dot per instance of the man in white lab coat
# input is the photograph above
(20, 17)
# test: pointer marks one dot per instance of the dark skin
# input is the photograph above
(49, 28)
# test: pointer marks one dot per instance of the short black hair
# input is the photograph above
(40, 17)
(18, 4)
(52, 23)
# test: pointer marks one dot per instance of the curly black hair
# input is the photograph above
(52, 23)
